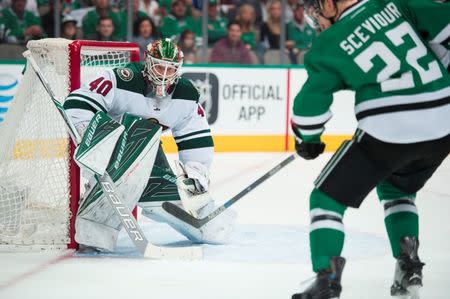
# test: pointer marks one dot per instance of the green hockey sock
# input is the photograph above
(399, 225)
(400, 215)
(326, 230)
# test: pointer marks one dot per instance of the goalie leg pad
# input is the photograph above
(219, 230)
(162, 183)
(97, 235)
(130, 168)
(159, 215)
(99, 141)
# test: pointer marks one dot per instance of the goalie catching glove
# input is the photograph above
(193, 185)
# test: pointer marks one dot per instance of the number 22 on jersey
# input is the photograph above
(397, 36)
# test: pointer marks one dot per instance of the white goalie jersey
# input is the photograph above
(124, 90)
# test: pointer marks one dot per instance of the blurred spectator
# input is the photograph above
(32, 6)
(299, 35)
(165, 7)
(4, 32)
(46, 9)
(175, 23)
(124, 18)
(217, 25)
(44, 6)
(231, 49)
(67, 6)
(47, 12)
(70, 5)
(187, 45)
(191, 10)
(90, 20)
(151, 8)
(289, 12)
(118, 5)
(144, 32)
(265, 10)
(260, 7)
(69, 27)
(23, 25)
(105, 30)
(271, 29)
(228, 9)
(246, 17)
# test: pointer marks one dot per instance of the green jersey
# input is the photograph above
(249, 38)
(171, 27)
(302, 35)
(402, 91)
(432, 20)
(18, 26)
(90, 24)
(123, 15)
(217, 29)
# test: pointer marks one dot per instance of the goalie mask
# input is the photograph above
(163, 60)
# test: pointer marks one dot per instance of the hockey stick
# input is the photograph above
(130, 224)
(181, 214)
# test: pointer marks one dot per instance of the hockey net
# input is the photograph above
(39, 183)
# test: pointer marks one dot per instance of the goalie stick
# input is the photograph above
(184, 216)
(130, 224)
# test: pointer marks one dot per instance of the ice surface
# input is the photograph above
(268, 256)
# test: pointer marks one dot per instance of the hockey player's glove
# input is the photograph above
(194, 177)
(307, 150)
(193, 184)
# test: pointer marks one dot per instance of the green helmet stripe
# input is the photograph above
(167, 50)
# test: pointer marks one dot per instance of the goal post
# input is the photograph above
(39, 183)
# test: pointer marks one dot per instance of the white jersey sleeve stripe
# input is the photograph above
(91, 101)
(193, 137)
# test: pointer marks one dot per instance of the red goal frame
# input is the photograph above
(74, 82)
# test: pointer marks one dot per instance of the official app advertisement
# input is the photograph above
(242, 101)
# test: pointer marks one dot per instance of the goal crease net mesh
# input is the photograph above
(35, 180)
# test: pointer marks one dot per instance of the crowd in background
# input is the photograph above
(239, 31)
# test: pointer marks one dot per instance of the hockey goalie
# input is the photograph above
(120, 115)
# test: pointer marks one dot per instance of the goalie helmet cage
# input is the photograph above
(39, 182)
